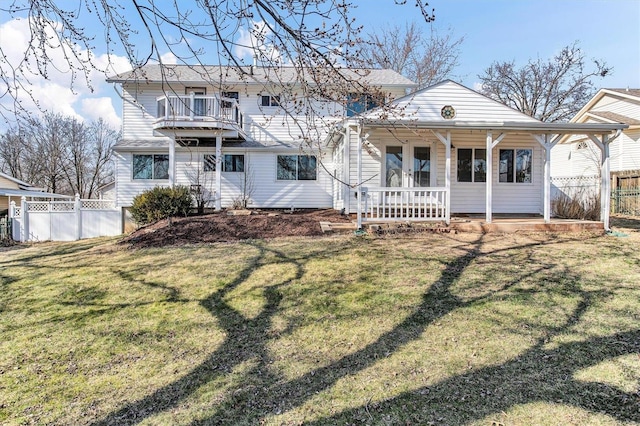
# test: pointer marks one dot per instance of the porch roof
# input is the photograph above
(502, 126)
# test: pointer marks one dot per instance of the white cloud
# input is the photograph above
(95, 108)
(60, 92)
(252, 42)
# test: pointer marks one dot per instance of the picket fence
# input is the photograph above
(64, 220)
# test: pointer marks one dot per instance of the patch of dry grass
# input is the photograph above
(416, 329)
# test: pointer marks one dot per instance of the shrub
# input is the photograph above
(581, 204)
(161, 203)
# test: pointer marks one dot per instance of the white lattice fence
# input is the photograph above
(65, 220)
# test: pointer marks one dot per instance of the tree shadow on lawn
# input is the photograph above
(541, 373)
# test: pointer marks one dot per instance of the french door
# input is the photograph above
(407, 165)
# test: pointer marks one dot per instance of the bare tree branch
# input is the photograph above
(552, 90)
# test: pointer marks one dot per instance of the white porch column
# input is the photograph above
(446, 141)
(547, 181)
(447, 178)
(359, 186)
(489, 179)
(547, 145)
(605, 178)
(605, 184)
(218, 173)
(172, 162)
(347, 170)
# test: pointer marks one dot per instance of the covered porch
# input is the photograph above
(447, 150)
(507, 180)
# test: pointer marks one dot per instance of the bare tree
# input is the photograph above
(308, 46)
(58, 153)
(423, 58)
(551, 90)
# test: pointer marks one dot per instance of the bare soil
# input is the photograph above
(222, 227)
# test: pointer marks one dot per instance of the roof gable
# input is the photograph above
(606, 97)
(463, 105)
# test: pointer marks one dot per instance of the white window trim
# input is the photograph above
(275, 160)
(473, 157)
(497, 168)
(152, 179)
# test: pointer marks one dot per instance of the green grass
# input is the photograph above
(418, 329)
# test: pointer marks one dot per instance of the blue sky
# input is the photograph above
(504, 30)
(494, 30)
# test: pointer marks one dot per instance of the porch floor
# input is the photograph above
(477, 224)
(522, 223)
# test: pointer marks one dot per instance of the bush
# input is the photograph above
(580, 204)
(161, 203)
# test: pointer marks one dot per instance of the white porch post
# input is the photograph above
(605, 179)
(605, 184)
(489, 179)
(446, 141)
(447, 178)
(547, 181)
(347, 170)
(218, 173)
(359, 187)
(172, 162)
(547, 145)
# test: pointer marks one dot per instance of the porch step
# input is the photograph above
(337, 227)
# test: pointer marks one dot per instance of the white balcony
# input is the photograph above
(193, 114)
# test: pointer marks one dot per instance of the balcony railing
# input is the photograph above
(180, 108)
(382, 204)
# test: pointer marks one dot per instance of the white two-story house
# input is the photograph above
(426, 155)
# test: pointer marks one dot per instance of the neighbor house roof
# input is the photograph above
(18, 182)
(251, 75)
(30, 193)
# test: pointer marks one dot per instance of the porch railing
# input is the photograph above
(391, 204)
(199, 107)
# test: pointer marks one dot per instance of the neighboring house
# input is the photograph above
(107, 191)
(442, 150)
(12, 189)
(579, 157)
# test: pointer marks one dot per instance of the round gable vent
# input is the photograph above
(448, 112)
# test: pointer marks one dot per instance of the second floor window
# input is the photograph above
(270, 101)
(151, 166)
(230, 163)
(358, 103)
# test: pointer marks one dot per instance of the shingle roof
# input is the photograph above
(231, 75)
(612, 116)
(632, 92)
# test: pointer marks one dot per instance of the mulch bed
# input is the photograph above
(221, 227)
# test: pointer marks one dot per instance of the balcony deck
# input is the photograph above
(195, 115)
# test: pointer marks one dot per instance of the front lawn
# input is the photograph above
(419, 329)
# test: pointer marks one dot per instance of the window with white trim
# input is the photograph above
(297, 167)
(151, 166)
(270, 101)
(472, 165)
(230, 163)
(514, 165)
